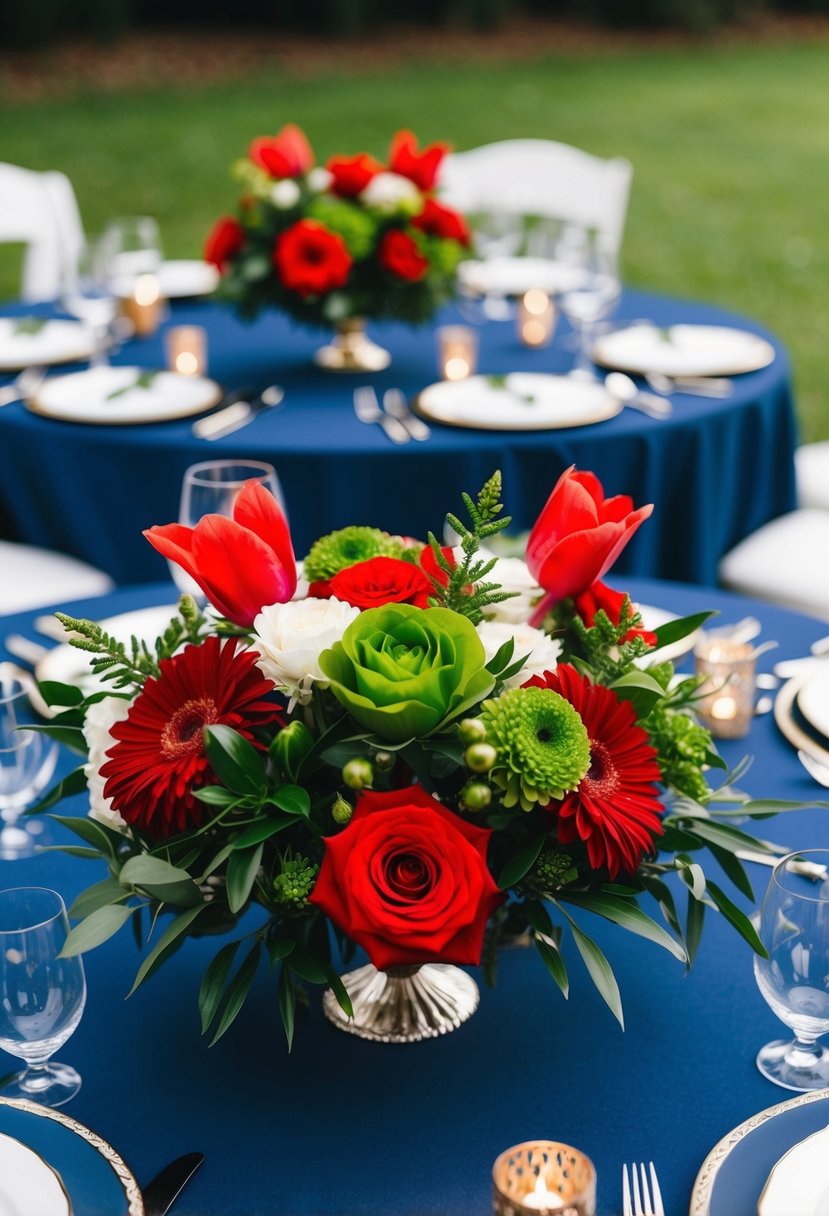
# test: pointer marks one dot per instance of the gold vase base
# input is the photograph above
(352, 351)
(405, 1005)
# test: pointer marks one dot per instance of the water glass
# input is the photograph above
(42, 995)
(87, 294)
(27, 763)
(133, 249)
(594, 290)
(794, 979)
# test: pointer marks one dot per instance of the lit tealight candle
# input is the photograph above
(726, 704)
(542, 1200)
(536, 318)
(724, 708)
(143, 306)
(543, 1176)
(187, 350)
(457, 351)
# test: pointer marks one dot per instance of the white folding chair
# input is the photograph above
(33, 578)
(811, 462)
(540, 178)
(785, 562)
(40, 211)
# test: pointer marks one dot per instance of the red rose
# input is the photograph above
(381, 580)
(600, 596)
(225, 239)
(352, 174)
(310, 259)
(398, 253)
(408, 881)
(420, 167)
(429, 563)
(578, 536)
(287, 154)
(442, 221)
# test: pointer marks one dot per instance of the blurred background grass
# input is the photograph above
(730, 145)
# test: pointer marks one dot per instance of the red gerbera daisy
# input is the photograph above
(159, 758)
(615, 810)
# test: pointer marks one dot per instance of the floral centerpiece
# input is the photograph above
(335, 244)
(398, 746)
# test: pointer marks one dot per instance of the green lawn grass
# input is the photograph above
(730, 147)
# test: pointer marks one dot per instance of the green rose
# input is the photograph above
(402, 671)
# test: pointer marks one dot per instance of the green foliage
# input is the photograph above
(345, 547)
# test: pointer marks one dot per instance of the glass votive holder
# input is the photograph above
(457, 352)
(186, 347)
(144, 305)
(543, 1176)
(726, 704)
(536, 318)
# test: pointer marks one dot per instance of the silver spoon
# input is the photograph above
(623, 389)
(701, 386)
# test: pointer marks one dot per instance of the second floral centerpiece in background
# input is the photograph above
(337, 244)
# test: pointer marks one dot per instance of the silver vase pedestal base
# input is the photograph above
(404, 1004)
(351, 350)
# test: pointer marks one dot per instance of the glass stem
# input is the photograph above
(583, 365)
(36, 1077)
(802, 1052)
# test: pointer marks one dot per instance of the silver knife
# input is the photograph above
(237, 415)
(397, 407)
(160, 1194)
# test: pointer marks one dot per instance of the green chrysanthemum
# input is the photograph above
(295, 882)
(552, 870)
(542, 744)
(354, 225)
(345, 547)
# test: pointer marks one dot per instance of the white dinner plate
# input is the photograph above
(511, 276)
(785, 715)
(55, 342)
(185, 278)
(652, 619)
(813, 700)
(683, 350)
(88, 397)
(521, 401)
(799, 1182)
(28, 1185)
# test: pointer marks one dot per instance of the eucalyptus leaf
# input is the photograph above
(693, 927)
(737, 918)
(263, 829)
(237, 991)
(551, 957)
(97, 928)
(599, 970)
(286, 997)
(108, 891)
(242, 868)
(163, 947)
(628, 914)
(213, 982)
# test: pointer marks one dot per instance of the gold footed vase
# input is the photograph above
(352, 350)
(404, 1004)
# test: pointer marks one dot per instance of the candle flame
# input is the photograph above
(457, 368)
(187, 363)
(146, 289)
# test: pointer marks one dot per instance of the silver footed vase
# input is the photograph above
(404, 1004)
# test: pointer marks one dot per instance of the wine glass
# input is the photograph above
(133, 249)
(211, 488)
(592, 290)
(87, 294)
(794, 979)
(27, 762)
(42, 995)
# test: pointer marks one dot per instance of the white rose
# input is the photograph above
(513, 575)
(319, 179)
(100, 718)
(291, 637)
(302, 583)
(386, 191)
(284, 194)
(542, 651)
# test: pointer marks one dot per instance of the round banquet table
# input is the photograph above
(716, 470)
(343, 1127)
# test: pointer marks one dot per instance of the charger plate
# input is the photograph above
(733, 1175)
(55, 342)
(95, 1177)
(785, 707)
(683, 350)
(521, 401)
(111, 396)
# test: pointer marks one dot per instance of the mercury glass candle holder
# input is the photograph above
(186, 347)
(143, 308)
(536, 318)
(726, 704)
(457, 351)
(543, 1176)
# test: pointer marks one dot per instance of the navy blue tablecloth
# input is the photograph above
(717, 470)
(343, 1128)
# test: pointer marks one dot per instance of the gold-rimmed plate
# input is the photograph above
(123, 396)
(28, 1183)
(96, 1179)
(683, 350)
(784, 715)
(34, 342)
(520, 401)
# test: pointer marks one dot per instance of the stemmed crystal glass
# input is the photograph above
(27, 762)
(594, 291)
(211, 488)
(133, 248)
(794, 979)
(42, 995)
(87, 293)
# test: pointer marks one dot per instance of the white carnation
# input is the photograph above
(542, 651)
(386, 192)
(291, 637)
(319, 179)
(100, 718)
(513, 575)
(284, 194)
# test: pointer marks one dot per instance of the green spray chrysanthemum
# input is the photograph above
(352, 223)
(345, 547)
(542, 744)
(295, 881)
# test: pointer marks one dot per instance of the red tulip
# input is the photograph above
(351, 174)
(578, 536)
(420, 167)
(225, 239)
(286, 154)
(241, 564)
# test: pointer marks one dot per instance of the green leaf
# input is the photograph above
(640, 689)
(599, 969)
(109, 891)
(236, 763)
(70, 736)
(241, 875)
(628, 914)
(340, 991)
(286, 996)
(551, 957)
(683, 627)
(213, 982)
(94, 833)
(54, 693)
(737, 918)
(163, 947)
(691, 873)
(97, 928)
(521, 862)
(72, 783)
(662, 894)
(723, 835)
(238, 988)
(502, 657)
(733, 867)
(538, 917)
(71, 850)
(262, 830)
(305, 963)
(292, 799)
(215, 795)
(162, 881)
(279, 948)
(693, 928)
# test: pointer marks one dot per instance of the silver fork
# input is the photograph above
(395, 404)
(646, 1201)
(23, 386)
(367, 409)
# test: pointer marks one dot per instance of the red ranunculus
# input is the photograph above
(408, 881)
(225, 239)
(242, 564)
(578, 536)
(600, 596)
(351, 174)
(159, 757)
(381, 580)
(422, 166)
(442, 221)
(615, 811)
(398, 253)
(310, 259)
(286, 154)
